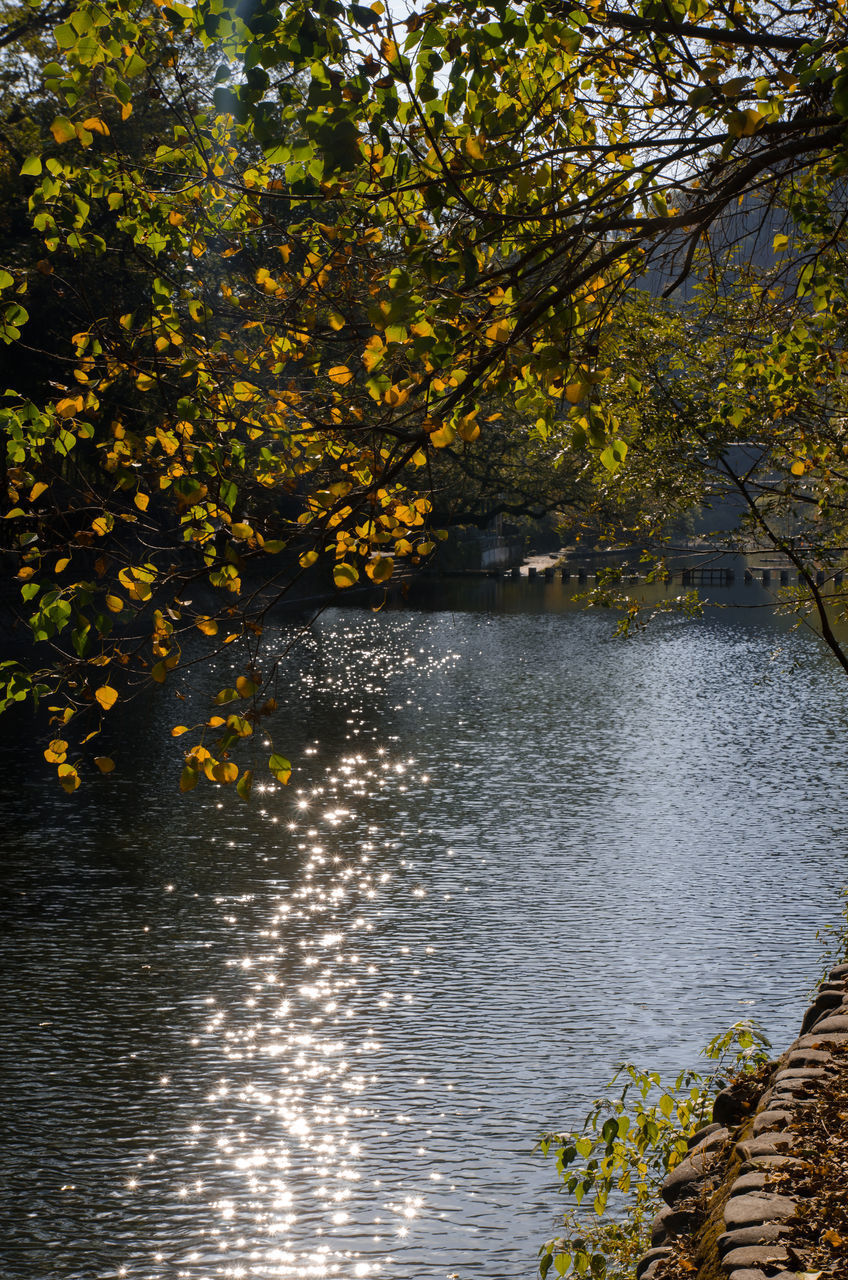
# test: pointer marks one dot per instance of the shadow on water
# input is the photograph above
(318, 1035)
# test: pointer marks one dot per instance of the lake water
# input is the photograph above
(319, 1035)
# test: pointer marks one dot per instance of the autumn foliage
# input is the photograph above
(270, 263)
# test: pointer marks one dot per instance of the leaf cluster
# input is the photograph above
(627, 1145)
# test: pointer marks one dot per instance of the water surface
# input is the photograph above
(319, 1036)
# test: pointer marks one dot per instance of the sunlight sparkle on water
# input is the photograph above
(296, 1113)
(291, 1119)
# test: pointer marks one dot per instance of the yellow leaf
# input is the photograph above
(241, 531)
(308, 558)
(68, 778)
(114, 604)
(753, 122)
(443, 436)
(396, 396)
(240, 725)
(468, 429)
(139, 591)
(244, 784)
(336, 321)
(61, 565)
(380, 570)
(780, 243)
(104, 763)
(159, 672)
(340, 374)
(95, 125)
(245, 687)
(472, 146)
(63, 130)
(55, 752)
(176, 219)
(742, 124)
(106, 696)
(225, 772)
(126, 110)
(798, 468)
(178, 730)
(344, 575)
(575, 391)
(67, 407)
(37, 490)
(498, 332)
(215, 722)
(374, 351)
(207, 625)
(25, 573)
(142, 501)
(100, 526)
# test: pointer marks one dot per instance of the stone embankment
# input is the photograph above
(763, 1193)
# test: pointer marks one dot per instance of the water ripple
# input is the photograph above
(319, 1036)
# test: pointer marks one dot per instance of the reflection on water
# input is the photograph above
(318, 1036)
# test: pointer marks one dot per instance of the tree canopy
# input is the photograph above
(272, 272)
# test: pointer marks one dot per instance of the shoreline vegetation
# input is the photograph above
(656, 1162)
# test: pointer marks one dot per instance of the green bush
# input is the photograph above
(616, 1163)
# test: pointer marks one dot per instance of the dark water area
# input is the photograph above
(319, 1035)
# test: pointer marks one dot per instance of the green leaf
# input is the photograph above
(613, 456)
(65, 36)
(188, 778)
(364, 17)
(839, 98)
(134, 66)
(31, 167)
(280, 767)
